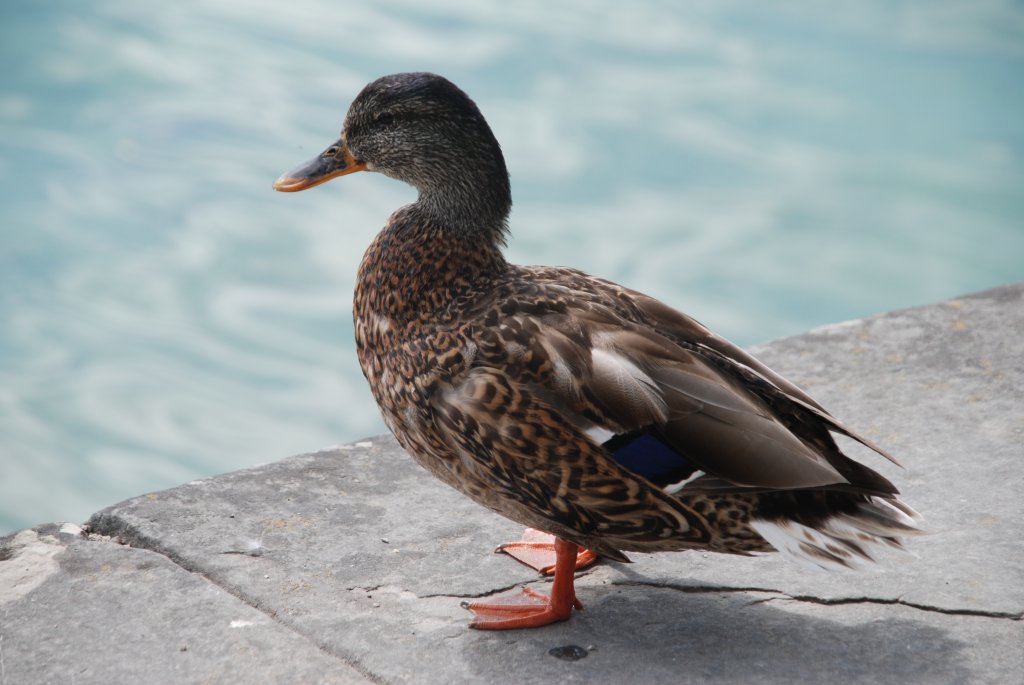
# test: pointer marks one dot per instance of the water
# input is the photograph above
(165, 316)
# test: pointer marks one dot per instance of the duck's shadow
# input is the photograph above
(651, 634)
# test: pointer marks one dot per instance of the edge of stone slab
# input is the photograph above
(999, 294)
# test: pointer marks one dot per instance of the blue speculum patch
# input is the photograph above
(645, 454)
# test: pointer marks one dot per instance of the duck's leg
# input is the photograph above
(537, 550)
(529, 608)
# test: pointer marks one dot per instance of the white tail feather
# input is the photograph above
(843, 541)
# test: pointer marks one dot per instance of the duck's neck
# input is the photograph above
(475, 207)
(418, 268)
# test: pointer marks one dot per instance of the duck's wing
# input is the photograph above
(689, 332)
(654, 396)
(664, 396)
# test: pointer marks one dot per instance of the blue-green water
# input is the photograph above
(766, 167)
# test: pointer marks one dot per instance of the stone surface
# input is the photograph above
(75, 610)
(352, 561)
(941, 388)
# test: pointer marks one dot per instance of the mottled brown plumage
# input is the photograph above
(566, 402)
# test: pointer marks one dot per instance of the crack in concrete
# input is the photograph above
(695, 589)
(367, 590)
(811, 599)
(476, 595)
(547, 580)
(1007, 615)
(504, 588)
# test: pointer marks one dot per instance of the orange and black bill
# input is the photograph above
(337, 160)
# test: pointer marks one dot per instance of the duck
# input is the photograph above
(593, 413)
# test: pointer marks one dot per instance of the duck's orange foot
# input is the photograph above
(537, 550)
(525, 608)
(529, 608)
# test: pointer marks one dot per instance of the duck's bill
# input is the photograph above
(335, 161)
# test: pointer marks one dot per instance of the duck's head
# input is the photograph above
(421, 129)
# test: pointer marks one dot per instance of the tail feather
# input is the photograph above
(843, 540)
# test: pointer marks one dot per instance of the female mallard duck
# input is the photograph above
(569, 403)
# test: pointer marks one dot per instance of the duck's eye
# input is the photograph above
(384, 119)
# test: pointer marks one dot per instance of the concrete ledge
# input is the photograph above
(348, 565)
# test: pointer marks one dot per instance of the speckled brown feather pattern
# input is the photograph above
(512, 384)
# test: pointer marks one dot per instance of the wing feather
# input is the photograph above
(681, 327)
